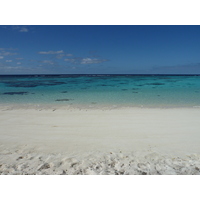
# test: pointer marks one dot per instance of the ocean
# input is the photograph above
(101, 90)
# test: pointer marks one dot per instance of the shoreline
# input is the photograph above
(36, 106)
(166, 134)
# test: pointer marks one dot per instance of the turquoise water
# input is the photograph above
(101, 90)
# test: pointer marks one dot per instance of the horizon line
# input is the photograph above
(99, 74)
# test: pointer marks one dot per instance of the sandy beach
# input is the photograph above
(99, 141)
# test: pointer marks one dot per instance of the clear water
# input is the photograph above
(98, 90)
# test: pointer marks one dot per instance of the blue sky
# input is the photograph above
(99, 49)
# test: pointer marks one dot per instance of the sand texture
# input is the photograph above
(21, 162)
(97, 141)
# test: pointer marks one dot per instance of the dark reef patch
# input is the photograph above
(155, 84)
(90, 81)
(72, 81)
(64, 92)
(29, 84)
(14, 93)
(172, 81)
(124, 89)
(104, 85)
(190, 84)
(64, 99)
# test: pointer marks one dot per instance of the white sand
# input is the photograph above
(95, 141)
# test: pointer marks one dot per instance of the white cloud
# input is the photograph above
(10, 67)
(19, 58)
(1, 57)
(51, 52)
(6, 68)
(85, 60)
(8, 60)
(59, 56)
(3, 52)
(19, 63)
(47, 62)
(23, 30)
(18, 28)
(92, 61)
(9, 54)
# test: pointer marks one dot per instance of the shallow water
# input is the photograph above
(98, 90)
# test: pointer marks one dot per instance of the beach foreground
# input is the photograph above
(99, 141)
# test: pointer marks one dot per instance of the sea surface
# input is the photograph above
(101, 90)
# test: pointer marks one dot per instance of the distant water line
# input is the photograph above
(101, 90)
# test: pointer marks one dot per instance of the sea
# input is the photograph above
(101, 90)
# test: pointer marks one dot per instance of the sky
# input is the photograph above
(109, 49)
